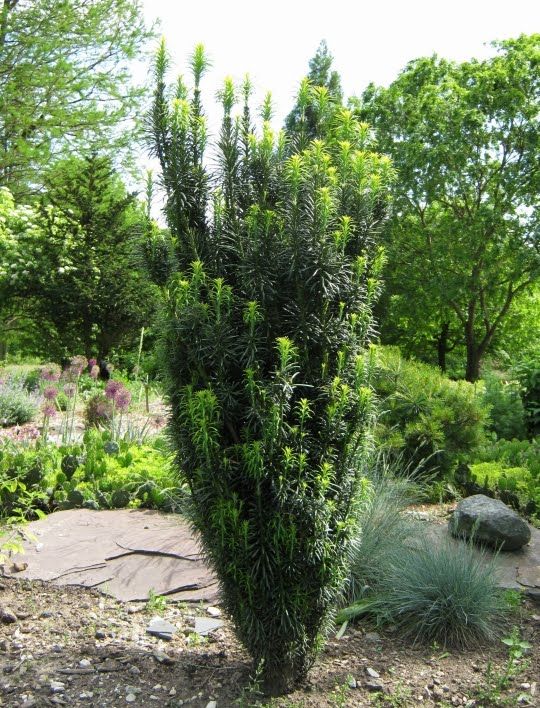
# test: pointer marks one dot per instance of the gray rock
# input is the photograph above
(491, 522)
(7, 616)
(161, 628)
(374, 686)
(204, 626)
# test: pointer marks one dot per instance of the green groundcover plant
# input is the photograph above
(265, 334)
(96, 473)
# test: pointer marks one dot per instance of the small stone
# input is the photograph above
(525, 686)
(85, 695)
(352, 682)
(172, 692)
(57, 686)
(7, 616)
(85, 663)
(213, 611)
(161, 628)
(100, 634)
(134, 670)
(374, 686)
(371, 672)
(46, 614)
(163, 658)
(130, 697)
(372, 637)
(211, 704)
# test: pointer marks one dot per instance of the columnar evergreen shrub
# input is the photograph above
(267, 368)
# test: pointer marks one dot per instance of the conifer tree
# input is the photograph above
(266, 358)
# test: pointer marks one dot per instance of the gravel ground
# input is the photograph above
(75, 647)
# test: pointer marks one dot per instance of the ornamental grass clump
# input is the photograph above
(265, 351)
(443, 592)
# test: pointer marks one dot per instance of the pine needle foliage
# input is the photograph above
(266, 357)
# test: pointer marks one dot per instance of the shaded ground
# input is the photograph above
(73, 646)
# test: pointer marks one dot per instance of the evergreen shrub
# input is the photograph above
(265, 348)
(427, 421)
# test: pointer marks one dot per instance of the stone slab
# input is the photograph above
(124, 553)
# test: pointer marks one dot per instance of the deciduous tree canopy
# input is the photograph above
(465, 236)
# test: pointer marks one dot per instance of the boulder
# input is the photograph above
(491, 522)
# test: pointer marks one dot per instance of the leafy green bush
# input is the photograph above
(445, 593)
(265, 335)
(98, 411)
(95, 474)
(427, 421)
(17, 406)
(510, 469)
(528, 373)
(506, 410)
(32, 379)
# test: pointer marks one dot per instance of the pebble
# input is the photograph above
(100, 634)
(57, 686)
(7, 616)
(213, 611)
(374, 686)
(130, 697)
(372, 637)
(163, 658)
(86, 695)
(371, 672)
(46, 614)
(134, 670)
(211, 704)
(85, 663)
(172, 692)
(352, 682)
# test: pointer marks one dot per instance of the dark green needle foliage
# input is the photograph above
(266, 357)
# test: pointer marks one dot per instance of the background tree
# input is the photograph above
(464, 240)
(319, 95)
(77, 270)
(265, 333)
(65, 81)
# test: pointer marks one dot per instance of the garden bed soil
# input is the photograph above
(75, 647)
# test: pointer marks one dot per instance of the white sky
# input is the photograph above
(370, 40)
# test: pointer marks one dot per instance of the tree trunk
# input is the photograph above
(474, 351)
(472, 372)
(442, 345)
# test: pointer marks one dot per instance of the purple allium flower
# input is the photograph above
(94, 371)
(50, 393)
(70, 389)
(78, 364)
(92, 363)
(48, 410)
(51, 372)
(112, 388)
(122, 399)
